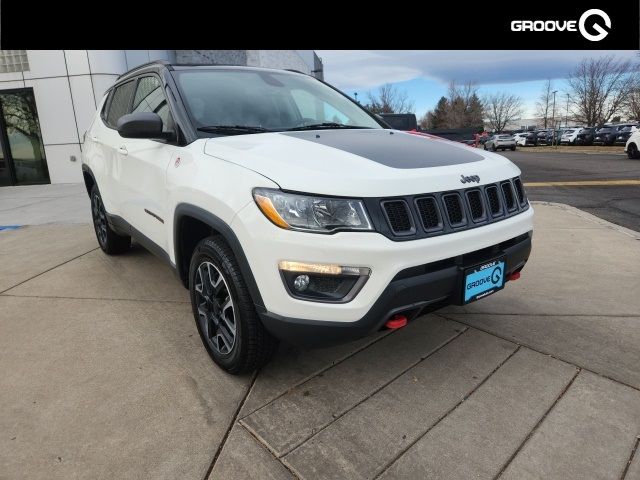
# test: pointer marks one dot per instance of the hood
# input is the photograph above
(360, 162)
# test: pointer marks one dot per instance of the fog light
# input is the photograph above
(322, 282)
(301, 283)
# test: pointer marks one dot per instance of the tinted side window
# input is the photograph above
(150, 98)
(119, 105)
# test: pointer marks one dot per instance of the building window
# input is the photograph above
(22, 156)
(13, 61)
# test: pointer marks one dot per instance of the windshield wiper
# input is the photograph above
(325, 125)
(233, 129)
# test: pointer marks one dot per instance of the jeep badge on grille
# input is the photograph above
(470, 178)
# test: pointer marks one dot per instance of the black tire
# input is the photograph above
(494, 148)
(110, 242)
(252, 345)
(513, 149)
(632, 151)
(485, 146)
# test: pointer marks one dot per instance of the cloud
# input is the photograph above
(350, 69)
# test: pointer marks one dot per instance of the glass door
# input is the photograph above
(23, 150)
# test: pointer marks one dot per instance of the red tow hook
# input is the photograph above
(514, 276)
(395, 322)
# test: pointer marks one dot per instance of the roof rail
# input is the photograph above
(295, 71)
(144, 65)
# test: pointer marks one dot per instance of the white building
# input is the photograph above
(48, 98)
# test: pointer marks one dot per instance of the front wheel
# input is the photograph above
(227, 321)
(513, 149)
(632, 151)
(494, 148)
(110, 242)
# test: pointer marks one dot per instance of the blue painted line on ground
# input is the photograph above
(9, 227)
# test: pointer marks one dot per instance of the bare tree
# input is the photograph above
(545, 103)
(501, 109)
(598, 87)
(632, 101)
(389, 100)
(464, 108)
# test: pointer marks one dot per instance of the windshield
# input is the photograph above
(268, 100)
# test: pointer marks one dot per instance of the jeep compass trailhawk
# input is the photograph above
(290, 212)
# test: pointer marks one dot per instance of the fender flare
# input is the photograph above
(224, 230)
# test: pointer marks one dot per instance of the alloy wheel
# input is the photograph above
(216, 310)
(99, 219)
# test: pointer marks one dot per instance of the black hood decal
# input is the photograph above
(396, 150)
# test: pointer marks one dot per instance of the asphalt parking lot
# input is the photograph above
(615, 197)
(104, 376)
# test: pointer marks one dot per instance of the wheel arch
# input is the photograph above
(190, 225)
(89, 178)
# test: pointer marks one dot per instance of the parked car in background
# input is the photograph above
(586, 136)
(632, 147)
(541, 137)
(624, 134)
(531, 139)
(605, 136)
(521, 139)
(401, 121)
(500, 142)
(569, 136)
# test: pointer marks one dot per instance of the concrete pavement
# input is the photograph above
(103, 374)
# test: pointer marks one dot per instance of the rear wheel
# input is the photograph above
(513, 149)
(494, 148)
(110, 242)
(632, 151)
(227, 321)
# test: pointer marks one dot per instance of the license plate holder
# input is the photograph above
(483, 280)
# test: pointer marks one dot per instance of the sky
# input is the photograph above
(425, 74)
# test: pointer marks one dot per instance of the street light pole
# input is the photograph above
(553, 118)
(356, 95)
(566, 117)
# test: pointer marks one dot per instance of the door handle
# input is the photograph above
(123, 151)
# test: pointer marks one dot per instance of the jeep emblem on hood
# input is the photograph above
(470, 178)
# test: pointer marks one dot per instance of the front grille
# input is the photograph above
(397, 213)
(454, 209)
(429, 214)
(495, 205)
(522, 198)
(447, 212)
(476, 205)
(509, 199)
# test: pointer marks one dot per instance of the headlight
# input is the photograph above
(312, 214)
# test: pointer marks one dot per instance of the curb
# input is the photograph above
(591, 218)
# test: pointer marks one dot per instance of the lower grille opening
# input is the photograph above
(476, 206)
(397, 212)
(455, 212)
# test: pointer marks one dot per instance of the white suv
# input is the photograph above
(292, 213)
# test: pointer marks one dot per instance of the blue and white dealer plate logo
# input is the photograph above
(483, 280)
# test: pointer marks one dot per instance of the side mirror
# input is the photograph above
(143, 125)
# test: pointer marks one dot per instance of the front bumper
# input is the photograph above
(412, 291)
(265, 245)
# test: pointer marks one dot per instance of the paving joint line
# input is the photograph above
(320, 371)
(386, 384)
(231, 424)
(537, 425)
(265, 445)
(552, 355)
(634, 450)
(445, 415)
(48, 270)
(622, 315)
(12, 295)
